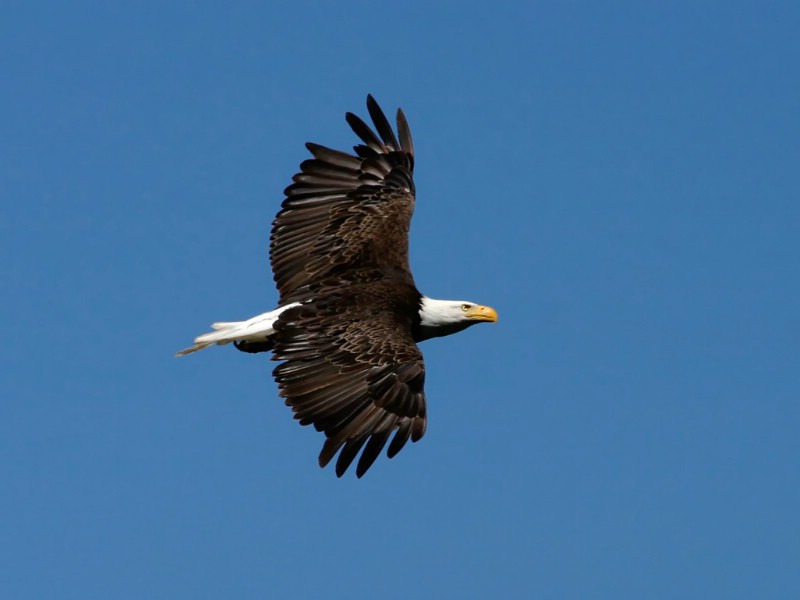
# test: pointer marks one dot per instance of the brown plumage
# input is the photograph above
(346, 212)
(340, 246)
(351, 380)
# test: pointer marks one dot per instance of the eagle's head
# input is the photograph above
(443, 317)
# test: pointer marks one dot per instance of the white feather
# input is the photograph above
(257, 329)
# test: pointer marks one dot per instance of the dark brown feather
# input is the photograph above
(406, 143)
(373, 449)
(382, 124)
(351, 367)
(400, 438)
(345, 212)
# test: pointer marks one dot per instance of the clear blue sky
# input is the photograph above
(620, 180)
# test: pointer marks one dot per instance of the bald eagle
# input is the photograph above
(350, 317)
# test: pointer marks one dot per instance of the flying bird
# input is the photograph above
(349, 316)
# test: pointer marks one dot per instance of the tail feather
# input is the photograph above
(258, 329)
(225, 334)
(194, 348)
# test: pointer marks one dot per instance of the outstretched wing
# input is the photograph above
(347, 211)
(357, 380)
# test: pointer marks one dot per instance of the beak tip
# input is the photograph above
(490, 314)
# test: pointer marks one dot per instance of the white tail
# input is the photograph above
(257, 329)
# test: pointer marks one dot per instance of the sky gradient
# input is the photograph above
(620, 182)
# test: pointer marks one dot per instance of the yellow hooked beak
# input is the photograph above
(482, 313)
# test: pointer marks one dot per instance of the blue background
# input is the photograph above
(620, 180)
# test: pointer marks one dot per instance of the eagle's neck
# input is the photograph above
(438, 318)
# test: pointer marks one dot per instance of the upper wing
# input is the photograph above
(347, 211)
(356, 380)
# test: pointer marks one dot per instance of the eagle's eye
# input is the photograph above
(465, 307)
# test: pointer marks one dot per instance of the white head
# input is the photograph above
(443, 317)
